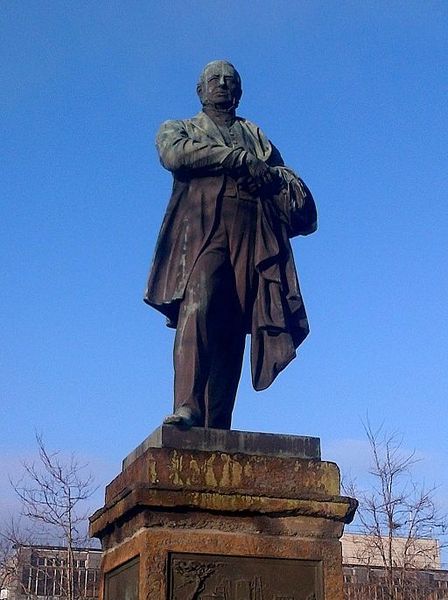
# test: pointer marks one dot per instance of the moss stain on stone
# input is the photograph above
(195, 471)
(152, 470)
(231, 472)
(176, 472)
(210, 477)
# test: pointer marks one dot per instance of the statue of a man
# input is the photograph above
(223, 265)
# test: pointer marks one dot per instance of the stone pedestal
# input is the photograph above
(208, 514)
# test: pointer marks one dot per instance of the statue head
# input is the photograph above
(219, 85)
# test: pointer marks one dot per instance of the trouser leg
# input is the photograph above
(199, 332)
(214, 318)
(239, 218)
(226, 359)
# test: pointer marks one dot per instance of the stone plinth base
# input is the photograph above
(258, 519)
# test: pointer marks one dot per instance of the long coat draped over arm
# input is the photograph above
(194, 151)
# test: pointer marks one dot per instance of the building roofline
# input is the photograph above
(62, 548)
(382, 568)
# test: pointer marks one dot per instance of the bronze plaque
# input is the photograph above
(122, 583)
(210, 577)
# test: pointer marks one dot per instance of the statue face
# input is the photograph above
(220, 84)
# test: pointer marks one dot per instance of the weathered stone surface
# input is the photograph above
(172, 502)
(123, 582)
(155, 546)
(242, 442)
(334, 508)
(166, 468)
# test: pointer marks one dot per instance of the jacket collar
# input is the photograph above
(255, 137)
(208, 126)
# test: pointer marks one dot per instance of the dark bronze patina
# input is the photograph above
(223, 265)
(194, 576)
(123, 582)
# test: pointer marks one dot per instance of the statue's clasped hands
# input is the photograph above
(260, 174)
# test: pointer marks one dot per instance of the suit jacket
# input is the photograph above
(194, 151)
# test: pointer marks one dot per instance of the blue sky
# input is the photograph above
(352, 93)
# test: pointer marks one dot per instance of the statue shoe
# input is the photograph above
(183, 417)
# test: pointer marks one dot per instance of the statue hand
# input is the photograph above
(261, 173)
(248, 184)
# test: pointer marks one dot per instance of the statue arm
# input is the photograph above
(294, 201)
(179, 151)
(275, 158)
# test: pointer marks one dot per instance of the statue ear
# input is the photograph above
(199, 91)
(240, 93)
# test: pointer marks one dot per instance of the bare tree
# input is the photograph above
(12, 535)
(398, 517)
(53, 492)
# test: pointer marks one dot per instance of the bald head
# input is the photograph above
(219, 84)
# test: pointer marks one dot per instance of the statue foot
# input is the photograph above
(183, 417)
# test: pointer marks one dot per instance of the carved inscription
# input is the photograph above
(209, 577)
(122, 583)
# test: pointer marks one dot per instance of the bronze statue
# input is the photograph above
(223, 264)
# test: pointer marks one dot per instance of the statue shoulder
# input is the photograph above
(173, 124)
(247, 122)
(176, 126)
(253, 127)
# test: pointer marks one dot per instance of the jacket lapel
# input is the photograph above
(207, 127)
(254, 139)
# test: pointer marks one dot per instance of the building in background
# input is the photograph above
(40, 573)
(418, 553)
(419, 575)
